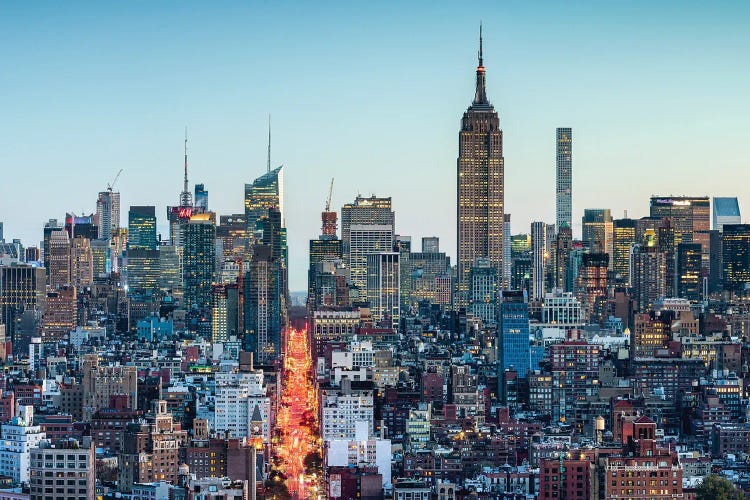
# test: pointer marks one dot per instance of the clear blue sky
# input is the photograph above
(371, 93)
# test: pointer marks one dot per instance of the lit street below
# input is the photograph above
(298, 446)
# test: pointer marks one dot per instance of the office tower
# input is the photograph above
(81, 263)
(597, 230)
(666, 243)
(67, 459)
(81, 226)
(648, 275)
(267, 191)
(715, 263)
(483, 290)
(22, 287)
(201, 198)
(538, 258)
(142, 228)
(430, 244)
(735, 242)
(507, 253)
(427, 271)
(549, 256)
(402, 245)
(224, 314)
(143, 267)
(623, 238)
(49, 226)
(59, 258)
(520, 244)
(564, 178)
(32, 254)
(2, 236)
(383, 288)
(513, 332)
(107, 214)
(367, 226)
(520, 276)
(199, 262)
(592, 286)
(142, 250)
(562, 248)
(689, 271)
(232, 231)
(480, 186)
(60, 314)
(690, 216)
(262, 308)
(726, 211)
(170, 268)
(101, 263)
(369, 217)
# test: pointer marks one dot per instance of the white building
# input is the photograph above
(562, 309)
(240, 398)
(361, 451)
(17, 438)
(342, 408)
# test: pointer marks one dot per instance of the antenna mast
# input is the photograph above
(268, 160)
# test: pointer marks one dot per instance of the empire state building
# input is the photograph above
(480, 187)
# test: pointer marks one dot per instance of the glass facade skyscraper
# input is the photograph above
(267, 191)
(142, 228)
(199, 261)
(514, 334)
(735, 246)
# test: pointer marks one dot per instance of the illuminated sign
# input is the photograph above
(677, 203)
(183, 213)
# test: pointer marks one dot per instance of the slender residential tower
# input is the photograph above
(480, 186)
(564, 178)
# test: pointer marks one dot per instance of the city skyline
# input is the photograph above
(135, 116)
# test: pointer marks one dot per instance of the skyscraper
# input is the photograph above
(597, 230)
(142, 228)
(514, 334)
(262, 307)
(383, 288)
(480, 186)
(538, 259)
(623, 238)
(108, 213)
(22, 287)
(726, 211)
(483, 290)
(735, 245)
(564, 177)
(201, 198)
(59, 258)
(267, 191)
(688, 277)
(367, 227)
(199, 261)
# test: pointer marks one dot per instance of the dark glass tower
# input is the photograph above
(480, 186)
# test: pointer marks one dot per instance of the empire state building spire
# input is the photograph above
(480, 97)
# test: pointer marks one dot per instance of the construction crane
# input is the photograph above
(111, 187)
(330, 194)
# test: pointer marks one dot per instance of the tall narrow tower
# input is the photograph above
(480, 186)
(564, 177)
